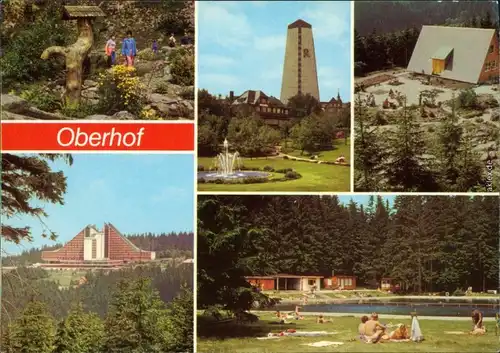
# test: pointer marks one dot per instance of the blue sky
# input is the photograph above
(135, 192)
(241, 45)
(363, 199)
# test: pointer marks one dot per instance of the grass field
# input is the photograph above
(315, 177)
(341, 149)
(64, 278)
(243, 338)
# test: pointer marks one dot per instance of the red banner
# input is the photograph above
(109, 136)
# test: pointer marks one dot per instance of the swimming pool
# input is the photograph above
(403, 306)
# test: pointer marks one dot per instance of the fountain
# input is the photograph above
(225, 164)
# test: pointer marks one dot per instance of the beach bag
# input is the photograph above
(416, 333)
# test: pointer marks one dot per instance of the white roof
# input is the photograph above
(469, 47)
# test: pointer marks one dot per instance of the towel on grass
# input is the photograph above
(454, 332)
(323, 344)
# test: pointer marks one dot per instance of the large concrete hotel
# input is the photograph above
(92, 248)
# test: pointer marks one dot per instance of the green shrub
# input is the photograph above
(254, 180)
(268, 168)
(495, 116)
(146, 54)
(292, 175)
(41, 97)
(467, 98)
(201, 168)
(201, 181)
(284, 171)
(21, 60)
(162, 88)
(79, 111)
(187, 94)
(120, 89)
(182, 66)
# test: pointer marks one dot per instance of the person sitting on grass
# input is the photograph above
(296, 313)
(374, 330)
(361, 328)
(321, 320)
(477, 320)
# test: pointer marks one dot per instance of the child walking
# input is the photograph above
(111, 51)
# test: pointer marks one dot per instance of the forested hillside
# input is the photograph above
(386, 32)
(166, 245)
(105, 312)
(428, 243)
(390, 16)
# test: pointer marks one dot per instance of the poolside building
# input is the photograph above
(340, 282)
(457, 53)
(286, 282)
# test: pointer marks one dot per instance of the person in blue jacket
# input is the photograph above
(129, 49)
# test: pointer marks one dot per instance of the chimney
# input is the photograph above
(231, 95)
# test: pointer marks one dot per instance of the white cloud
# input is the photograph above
(329, 21)
(215, 60)
(222, 23)
(269, 43)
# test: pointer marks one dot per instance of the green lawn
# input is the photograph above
(315, 177)
(341, 149)
(64, 278)
(242, 338)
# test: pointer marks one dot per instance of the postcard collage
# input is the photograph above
(250, 176)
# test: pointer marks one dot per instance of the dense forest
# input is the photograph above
(390, 16)
(386, 32)
(165, 245)
(252, 137)
(148, 309)
(428, 243)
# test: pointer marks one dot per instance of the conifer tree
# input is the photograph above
(135, 317)
(449, 136)
(406, 169)
(179, 323)
(368, 156)
(26, 178)
(79, 332)
(33, 331)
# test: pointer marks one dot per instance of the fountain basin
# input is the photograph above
(236, 175)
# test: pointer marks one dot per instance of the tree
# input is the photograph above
(251, 137)
(485, 21)
(79, 332)
(449, 137)
(303, 105)
(180, 322)
(312, 134)
(226, 251)
(136, 319)
(26, 178)
(368, 155)
(406, 169)
(33, 331)
(359, 54)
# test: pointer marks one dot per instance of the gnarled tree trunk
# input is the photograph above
(74, 54)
